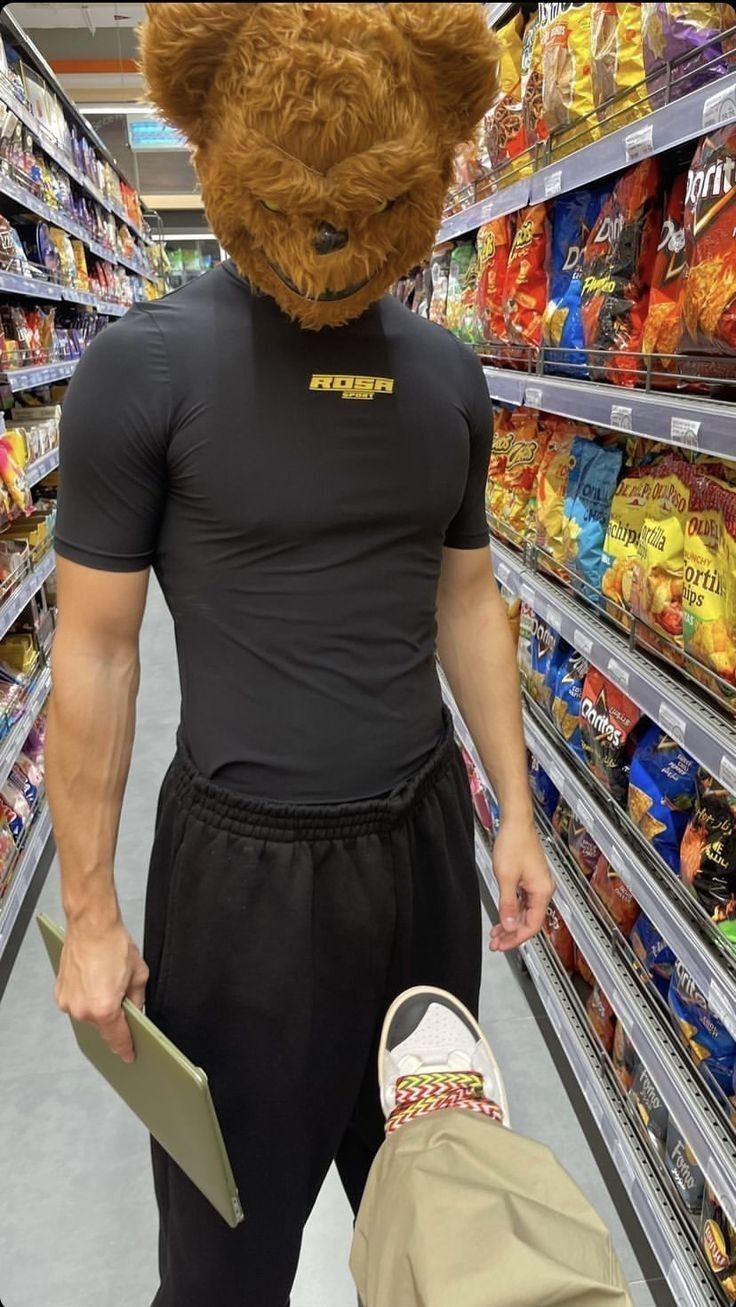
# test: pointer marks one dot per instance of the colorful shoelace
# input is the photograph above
(435, 1091)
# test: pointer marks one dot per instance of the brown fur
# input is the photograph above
(324, 111)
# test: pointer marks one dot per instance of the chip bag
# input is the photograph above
(651, 1109)
(693, 35)
(503, 124)
(567, 76)
(601, 1017)
(532, 103)
(573, 217)
(615, 896)
(682, 1165)
(711, 1046)
(624, 1058)
(628, 512)
(525, 440)
(544, 643)
(560, 938)
(543, 787)
(552, 479)
(582, 967)
(718, 1242)
(582, 846)
(462, 266)
(617, 61)
(709, 293)
(708, 852)
(525, 287)
(617, 269)
(590, 488)
(494, 244)
(566, 695)
(440, 269)
(654, 954)
(657, 577)
(608, 721)
(709, 594)
(663, 329)
(662, 789)
(500, 446)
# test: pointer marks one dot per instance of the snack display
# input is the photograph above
(494, 244)
(567, 693)
(532, 98)
(663, 326)
(591, 483)
(617, 59)
(683, 1167)
(708, 852)
(709, 595)
(602, 1017)
(567, 74)
(519, 441)
(690, 34)
(653, 1114)
(709, 292)
(461, 285)
(624, 1058)
(582, 846)
(654, 954)
(627, 515)
(615, 896)
(662, 787)
(503, 126)
(608, 721)
(543, 787)
(560, 938)
(657, 576)
(525, 287)
(711, 1046)
(573, 217)
(545, 641)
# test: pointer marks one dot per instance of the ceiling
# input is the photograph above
(62, 15)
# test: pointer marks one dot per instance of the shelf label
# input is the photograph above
(728, 773)
(621, 417)
(721, 1006)
(679, 1288)
(552, 184)
(672, 723)
(639, 144)
(582, 642)
(527, 594)
(618, 673)
(684, 431)
(721, 107)
(502, 570)
(586, 817)
(553, 617)
(533, 396)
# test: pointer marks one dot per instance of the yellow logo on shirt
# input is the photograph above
(352, 387)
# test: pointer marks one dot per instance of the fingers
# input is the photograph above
(137, 986)
(116, 1033)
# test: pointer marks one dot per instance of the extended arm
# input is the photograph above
(478, 655)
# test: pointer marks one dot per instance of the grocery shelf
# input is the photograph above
(38, 289)
(16, 737)
(28, 862)
(681, 120)
(706, 733)
(13, 606)
(134, 267)
(40, 468)
(690, 422)
(39, 374)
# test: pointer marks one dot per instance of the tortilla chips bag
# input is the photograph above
(657, 578)
(573, 217)
(615, 896)
(709, 294)
(663, 329)
(628, 512)
(525, 288)
(566, 696)
(662, 788)
(494, 244)
(708, 853)
(567, 75)
(590, 488)
(709, 593)
(608, 722)
(601, 1017)
(617, 270)
(440, 271)
(693, 35)
(618, 62)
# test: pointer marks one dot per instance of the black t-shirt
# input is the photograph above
(293, 491)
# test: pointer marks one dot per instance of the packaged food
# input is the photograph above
(608, 721)
(573, 217)
(503, 125)
(532, 102)
(648, 1102)
(709, 292)
(440, 269)
(711, 1046)
(654, 954)
(628, 513)
(63, 247)
(583, 969)
(567, 75)
(662, 790)
(617, 269)
(718, 1242)
(461, 288)
(591, 484)
(544, 642)
(657, 577)
(624, 1058)
(709, 594)
(601, 1017)
(566, 696)
(560, 938)
(561, 819)
(683, 1167)
(543, 787)
(691, 34)
(525, 288)
(663, 327)
(708, 852)
(582, 846)
(554, 471)
(615, 896)
(500, 446)
(617, 62)
(527, 443)
(494, 243)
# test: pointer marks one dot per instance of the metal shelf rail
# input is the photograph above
(37, 288)
(29, 860)
(39, 374)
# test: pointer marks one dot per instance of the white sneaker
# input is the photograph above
(427, 1030)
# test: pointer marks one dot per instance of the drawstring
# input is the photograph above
(435, 1091)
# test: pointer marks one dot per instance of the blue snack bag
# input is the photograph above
(711, 1046)
(591, 486)
(662, 792)
(543, 788)
(654, 953)
(544, 641)
(557, 659)
(566, 697)
(573, 218)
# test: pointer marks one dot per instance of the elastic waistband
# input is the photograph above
(225, 809)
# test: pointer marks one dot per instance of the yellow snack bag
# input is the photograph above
(551, 486)
(617, 51)
(628, 511)
(567, 75)
(502, 437)
(709, 591)
(657, 578)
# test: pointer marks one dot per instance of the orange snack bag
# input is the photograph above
(709, 297)
(494, 244)
(662, 329)
(525, 289)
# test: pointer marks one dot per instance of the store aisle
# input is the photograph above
(78, 1226)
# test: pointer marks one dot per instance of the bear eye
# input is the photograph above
(272, 208)
(385, 205)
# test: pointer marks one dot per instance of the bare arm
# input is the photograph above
(478, 655)
(90, 738)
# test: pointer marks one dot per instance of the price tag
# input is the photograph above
(618, 673)
(721, 107)
(621, 417)
(639, 144)
(728, 773)
(527, 594)
(684, 431)
(553, 617)
(552, 184)
(582, 642)
(533, 396)
(502, 570)
(721, 1006)
(679, 1288)
(672, 723)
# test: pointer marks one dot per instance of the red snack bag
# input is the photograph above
(494, 244)
(618, 262)
(602, 1017)
(709, 298)
(663, 328)
(608, 720)
(525, 288)
(582, 968)
(615, 896)
(582, 846)
(560, 938)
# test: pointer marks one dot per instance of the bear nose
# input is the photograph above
(328, 240)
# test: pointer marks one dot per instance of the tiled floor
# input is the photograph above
(78, 1221)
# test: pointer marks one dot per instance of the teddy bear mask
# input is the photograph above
(323, 135)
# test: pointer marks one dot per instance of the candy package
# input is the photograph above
(709, 293)
(525, 287)
(709, 593)
(654, 954)
(615, 896)
(573, 217)
(461, 283)
(690, 34)
(629, 508)
(582, 846)
(708, 852)
(601, 1017)
(684, 1170)
(625, 1060)
(543, 787)
(494, 243)
(718, 1242)
(591, 484)
(617, 59)
(663, 327)
(648, 1102)
(560, 938)
(608, 722)
(566, 696)
(662, 788)
(440, 269)
(567, 77)
(711, 1046)
(617, 269)
(657, 577)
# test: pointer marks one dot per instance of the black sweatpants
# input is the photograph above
(276, 937)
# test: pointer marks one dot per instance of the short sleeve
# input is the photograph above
(469, 527)
(113, 443)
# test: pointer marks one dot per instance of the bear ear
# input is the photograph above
(458, 54)
(182, 48)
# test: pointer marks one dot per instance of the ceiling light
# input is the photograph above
(125, 110)
(185, 236)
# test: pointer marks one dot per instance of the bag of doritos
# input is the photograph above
(494, 243)
(567, 76)
(590, 488)
(462, 269)
(662, 787)
(617, 58)
(544, 643)
(663, 329)
(708, 853)
(709, 597)
(617, 270)
(615, 896)
(532, 105)
(709, 293)
(691, 34)
(566, 696)
(573, 217)
(654, 954)
(542, 787)
(558, 658)
(628, 512)
(711, 1046)
(582, 846)
(608, 722)
(440, 270)
(525, 288)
